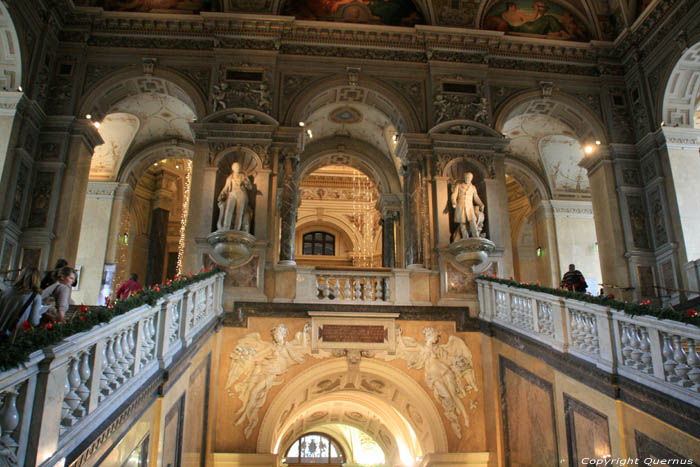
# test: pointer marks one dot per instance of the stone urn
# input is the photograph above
(471, 252)
(231, 247)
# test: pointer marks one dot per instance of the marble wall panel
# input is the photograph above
(196, 415)
(651, 452)
(587, 432)
(172, 434)
(527, 401)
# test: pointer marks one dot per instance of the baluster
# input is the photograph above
(379, 289)
(637, 348)
(646, 351)
(83, 390)
(694, 364)
(107, 375)
(326, 292)
(9, 420)
(681, 369)
(358, 289)
(71, 400)
(128, 356)
(347, 291)
(119, 360)
(594, 332)
(625, 341)
(368, 289)
(336, 288)
(588, 332)
(152, 333)
(669, 362)
(387, 289)
(575, 322)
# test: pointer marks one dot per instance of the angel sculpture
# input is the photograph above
(256, 364)
(446, 366)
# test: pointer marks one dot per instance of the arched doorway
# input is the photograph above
(139, 185)
(549, 196)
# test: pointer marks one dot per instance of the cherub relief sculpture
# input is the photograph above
(256, 365)
(448, 370)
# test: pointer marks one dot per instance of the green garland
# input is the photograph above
(12, 355)
(633, 309)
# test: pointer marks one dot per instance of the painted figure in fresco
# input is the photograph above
(448, 370)
(389, 12)
(233, 201)
(538, 21)
(464, 197)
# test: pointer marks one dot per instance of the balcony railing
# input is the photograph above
(661, 354)
(352, 286)
(86, 377)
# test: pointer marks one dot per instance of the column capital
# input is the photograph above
(102, 190)
(592, 162)
(8, 102)
(389, 204)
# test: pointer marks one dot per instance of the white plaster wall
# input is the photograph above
(685, 169)
(576, 240)
(92, 248)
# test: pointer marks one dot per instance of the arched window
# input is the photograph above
(318, 243)
(315, 448)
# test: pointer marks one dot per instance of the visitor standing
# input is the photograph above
(129, 288)
(573, 280)
(50, 276)
(58, 293)
(21, 302)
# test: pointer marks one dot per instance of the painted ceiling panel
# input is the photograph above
(117, 132)
(161, 116)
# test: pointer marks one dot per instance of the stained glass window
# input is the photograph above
(315, 448)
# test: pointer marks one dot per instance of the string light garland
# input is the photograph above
(183, 218)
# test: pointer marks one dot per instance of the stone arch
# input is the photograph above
(405, 115)
(395, 398)
(10, 52)
(461, 164)
(587, 125)
(132, 81)
(676, 105)
(341, 150)
(531, 179)
(250, 160)
(136, 163)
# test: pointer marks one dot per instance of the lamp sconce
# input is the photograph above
(125, 238)
(540, 251)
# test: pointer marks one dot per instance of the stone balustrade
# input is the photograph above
(370, 287)
(661, 354)
(64, 392)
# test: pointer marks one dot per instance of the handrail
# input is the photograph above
(56, 398)
(659, 353)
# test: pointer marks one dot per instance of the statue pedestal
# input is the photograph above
(471, 252)
(231, 247)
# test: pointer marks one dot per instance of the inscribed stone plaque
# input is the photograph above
(345, 330)
(352, 333)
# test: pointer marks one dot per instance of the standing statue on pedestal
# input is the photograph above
(233, 202)
(464, 197)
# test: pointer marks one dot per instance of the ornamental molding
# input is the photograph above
(102, 190)
(572, 209)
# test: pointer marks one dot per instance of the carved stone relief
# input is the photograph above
(244, 276)
(18, 195)
(658, 220)
(638, 221)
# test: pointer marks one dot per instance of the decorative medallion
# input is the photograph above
(346, 115)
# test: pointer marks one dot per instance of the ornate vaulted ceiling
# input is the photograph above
(575, 20)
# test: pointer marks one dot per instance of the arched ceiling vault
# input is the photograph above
(573, 20)
(681, 102)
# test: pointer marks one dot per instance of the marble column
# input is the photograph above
(413, 192)
(262, 184)
(288, 204)
(683, 165)
(94, 239)
(442, 219)
(199, 218)
(547, 264)
(83, 139)
(157, 246)
(389, 206)
(497, 214)
(120, 208)
(608, 223)
(8, 109)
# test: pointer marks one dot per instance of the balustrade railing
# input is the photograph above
(352, 286)
(662, 354)
(63, 392)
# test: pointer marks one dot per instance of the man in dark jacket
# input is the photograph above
(573, 280)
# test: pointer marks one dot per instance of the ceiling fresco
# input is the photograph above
(575, 20)
(540, 18)
(388, 12)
